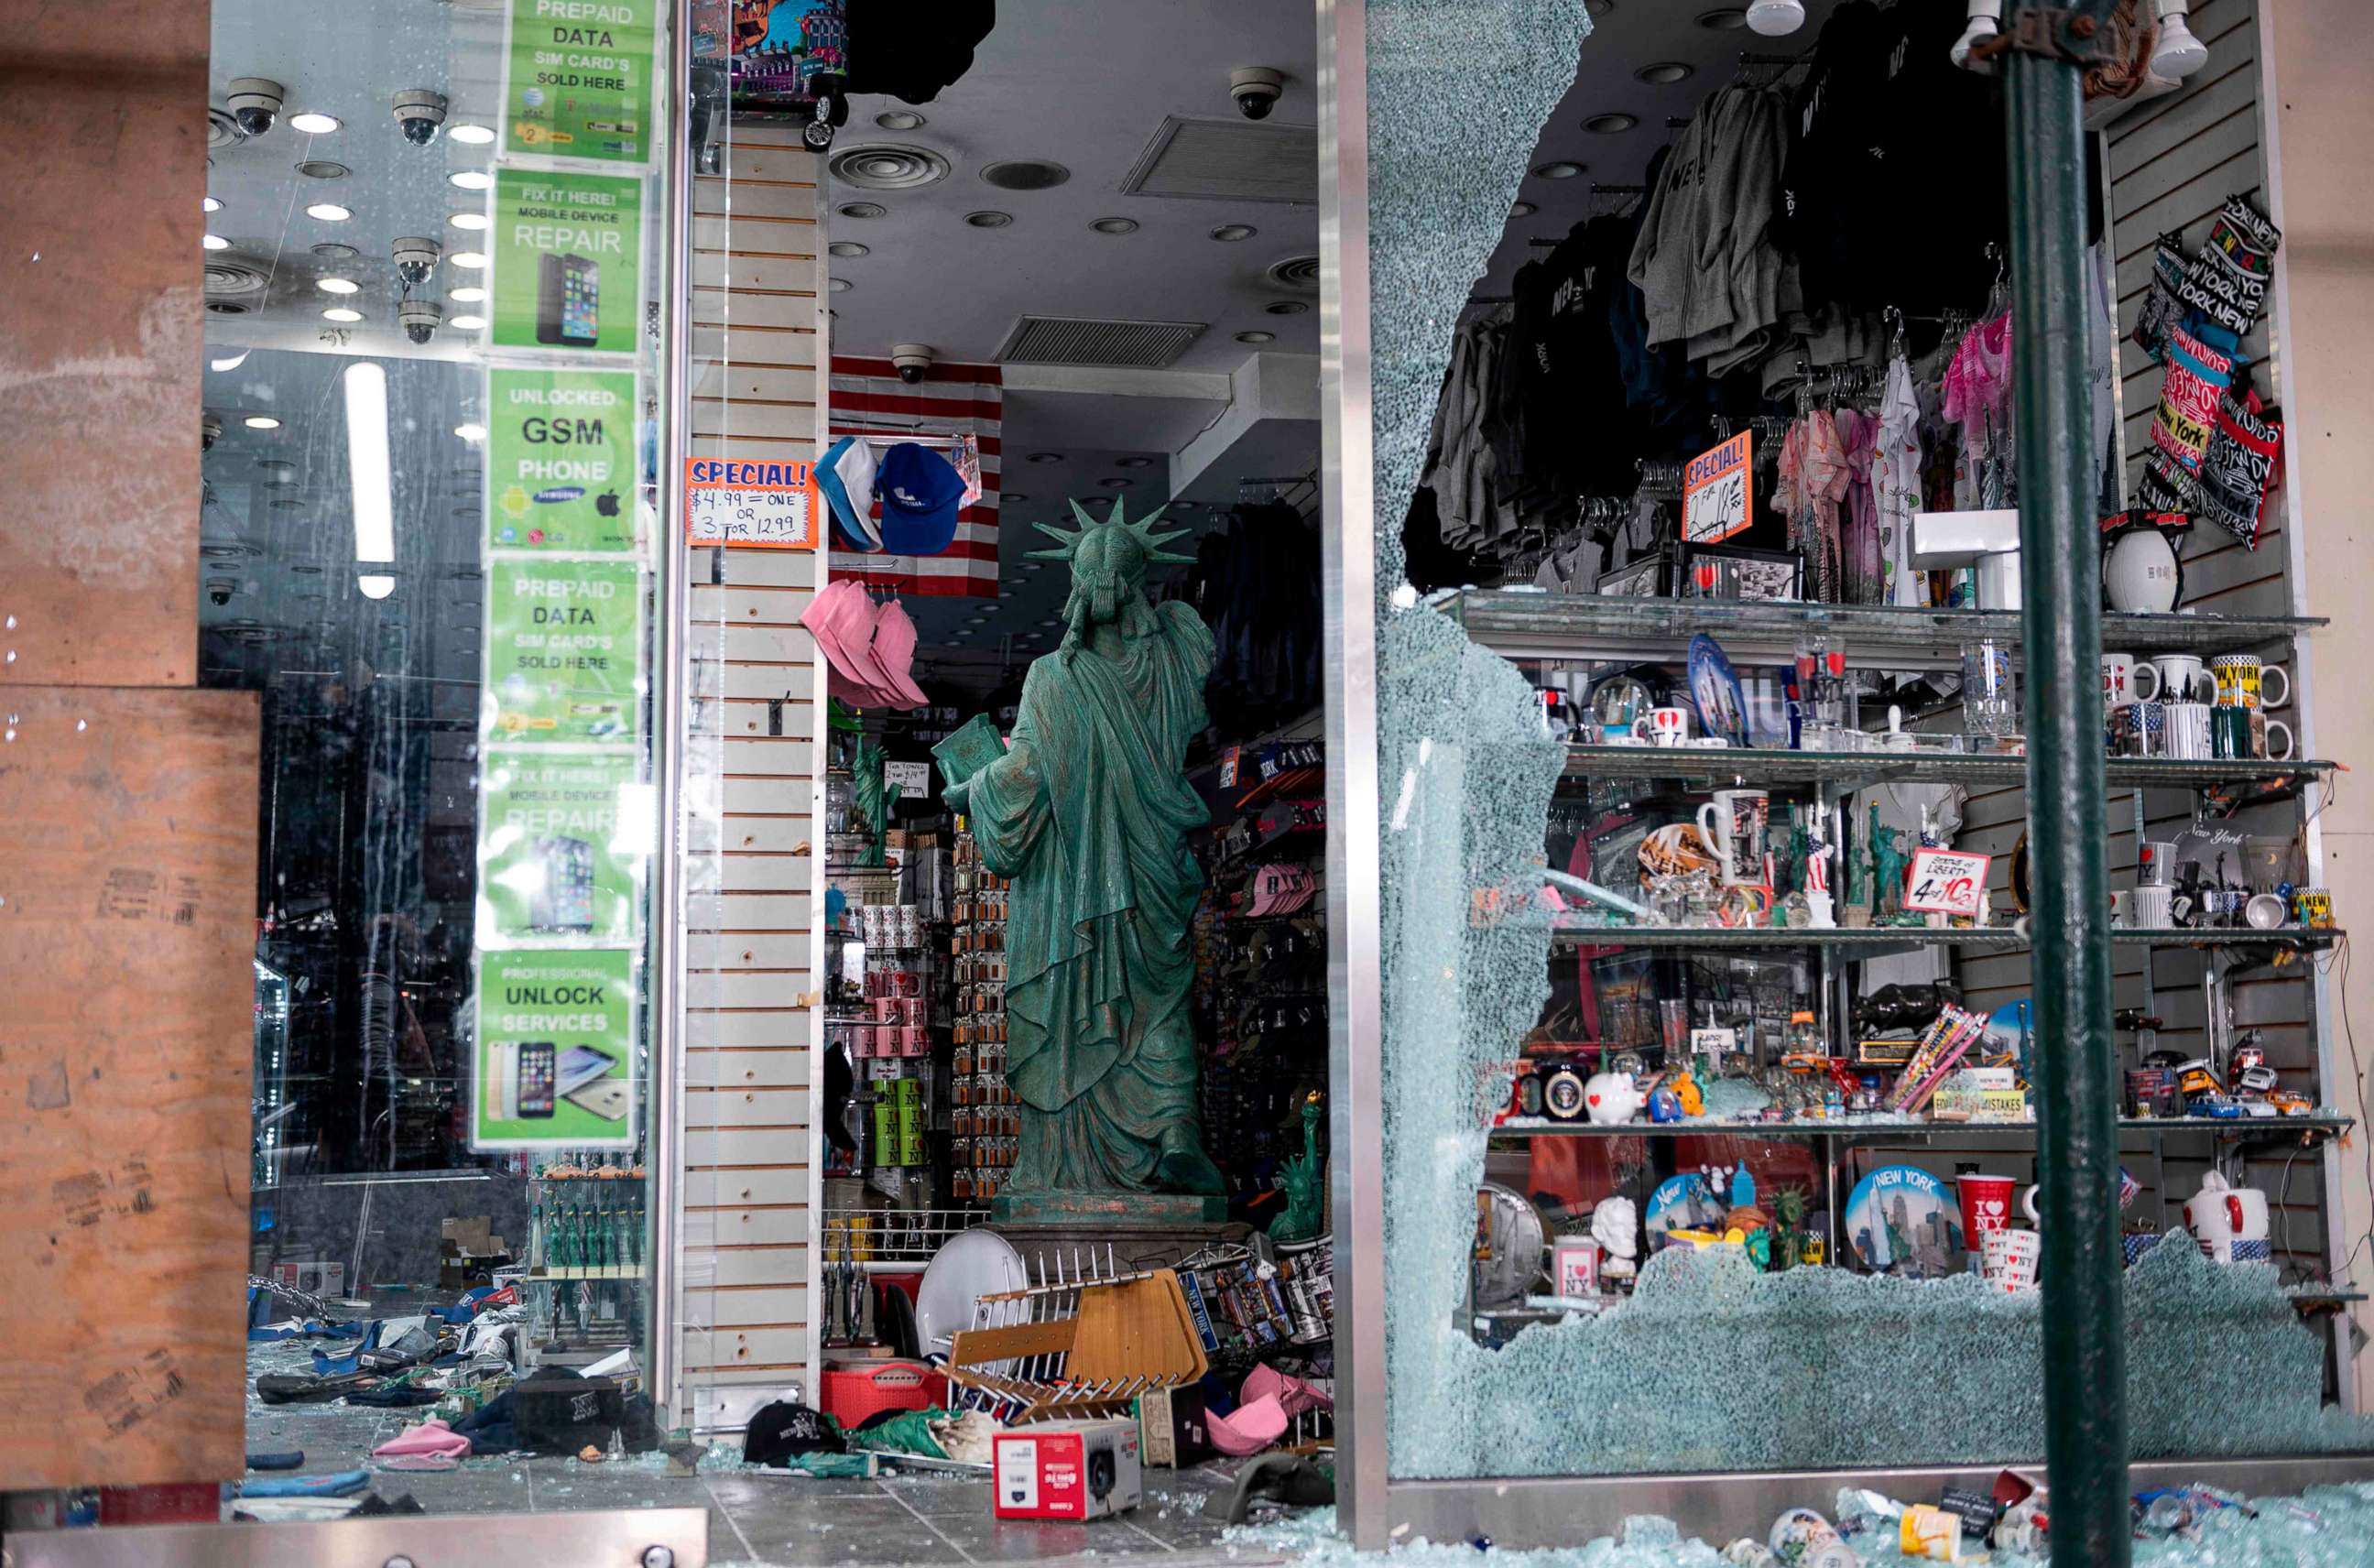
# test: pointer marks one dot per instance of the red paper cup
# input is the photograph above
(1986, 1205)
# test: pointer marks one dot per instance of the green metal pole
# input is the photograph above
(2084, 1361)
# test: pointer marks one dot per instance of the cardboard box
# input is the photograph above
(1170, 1428)
(1067, 1470)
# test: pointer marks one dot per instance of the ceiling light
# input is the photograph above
(1132, 462)
(1228, 232)
(342, 315)
(1610, 124)
(330, 250)
(1010, 496)
(213, 242)
(375, 585)
(1023, 174)
(324, 168)
(1598, 7)
(336, 285)
(1115, 225)
(1116, 483)
(1034, 566)
(860, 209)
(848, 248)
(1664, 73)
(467, 323)
(367, 464)
(1045, 457)
(261, 422)
(1776, 18)
(1051, 620)
(469, 261)
(471, 432)
(2179, 53)
(1285, 308)
(313, 123)
(899, 119)
(471, 135)
(229, 361)
(278, 466)
(213, 204)
(1257, 338)
(468, 219)
(989, 220)
(471, 180)
(1729, 18)
(468, 294)
(1558, 170)
(1523, 209)
(839, 285)
(329, 212)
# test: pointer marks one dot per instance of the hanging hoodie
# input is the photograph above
(1706, 264)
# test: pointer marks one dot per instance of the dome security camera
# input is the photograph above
(913, 360)
(420, 111)
(420, 319)
(415, 256)
(1256, 90)
(255, 103)
(210, 431)
(219, 589)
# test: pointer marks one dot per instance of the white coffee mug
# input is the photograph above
(2152, 906)
(2175, 677)
(2155, 863)
(1734, 824)
(2119, 681)
(2230, 1223)
(1666, 726)
(2122, 907)
(2188, 730)
(2009, 1259)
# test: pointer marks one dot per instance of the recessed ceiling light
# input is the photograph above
(473, 220)
(1558, 170)
(839, 285)
(1132, 462)
(471, 432)
(1034, 566)
(229, 361)
(468, 294)
(213, 242)
(213, 204)
(313, 123)
(340, 313)
(329, 212)
(467, 324)
(1117, 483)
(989, 220)
(1610, 124)
(261, 422)
(330, 250)
(1257, 338)
(276, 465)
(848, 248)
(471, 180)
(1285, 308)
(860, 209)
(1045, 457)
(324, 168)
(1727, 19)
(471, 135)
(1523, 209)
(899, 119)
(1007, 496)
(1598, 8)
(469, 261)
(1023, 174)
(336, 285)
(1115, 225)
(1051, 620)
(1228, 232)
(1664, 73)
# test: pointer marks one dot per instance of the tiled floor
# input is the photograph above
(764, 1521)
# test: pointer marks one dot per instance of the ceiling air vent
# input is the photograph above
(885, 166)
(225, 279)
(1299, 274)
(1023, 174)
(1063, 340)
(1228, 160)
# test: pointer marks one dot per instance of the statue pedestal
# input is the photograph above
(1059, 1231)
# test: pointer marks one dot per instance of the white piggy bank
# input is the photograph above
(1610, 1100)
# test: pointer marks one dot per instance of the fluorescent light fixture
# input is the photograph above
(329, 212)
(215, 242)
(471, 180)
(467, 323)
(228, 361)
(470, 135)
(341, 315)
(469, 261)
(313, 123)
(367, 464)
(469, 221)
(468, 294)
(214, 204)
(336, 285)
(261, 422)
(374, 584)
(471, 432)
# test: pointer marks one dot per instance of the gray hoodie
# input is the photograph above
(1705, 262)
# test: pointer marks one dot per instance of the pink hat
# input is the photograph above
(894, 652)
(841, 619)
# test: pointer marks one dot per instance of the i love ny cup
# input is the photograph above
(2011, 1258)
(1986, 1207)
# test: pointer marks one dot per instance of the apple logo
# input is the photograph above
(606, 503)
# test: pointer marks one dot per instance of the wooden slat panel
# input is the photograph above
(753, 872)
(727, 1308)
(753, 429)
(761, 1227)
(744, 345)
(756, 384)
(739, 1107)
(772, 569)
(769, 759)
(711, 988)
(770, 275)
(713, 305)
(741, 1264)
(759, 1028)
(750, 719)
(746, 234)
(778, 1068)
(771, 1186)
(754, 164)
(742, 644)
(748, 605)
(743, 951)
(746, 1145)
(749, 911)
(128, 864)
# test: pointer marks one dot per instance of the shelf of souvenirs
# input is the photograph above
(1864, 769)
(1527, 623)
(1869, 941)
(2309, 1128)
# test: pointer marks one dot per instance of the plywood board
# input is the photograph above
(127, 936)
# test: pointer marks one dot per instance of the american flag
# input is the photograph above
(868, 399)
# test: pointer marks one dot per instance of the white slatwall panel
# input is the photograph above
(750, 1193)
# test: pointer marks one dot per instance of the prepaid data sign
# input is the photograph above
(1718, 491)
(563, 638)
(1945, 881)
(567, 254)
(578, 80)
(556, 1051)
(755, 504)
(560, 459)
(560, 838)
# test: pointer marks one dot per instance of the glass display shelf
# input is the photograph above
(1862, 770)
(1872, 940)
(1889, 1129)
(1520, 624)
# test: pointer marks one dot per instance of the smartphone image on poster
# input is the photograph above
(568, 301)
(564, 903)
(537, 1073)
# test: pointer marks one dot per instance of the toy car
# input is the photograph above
(2213, 1105)
(2286, 1103)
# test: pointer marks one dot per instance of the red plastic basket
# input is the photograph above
(851, 1397)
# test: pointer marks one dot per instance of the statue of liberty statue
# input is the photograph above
(1088, 811)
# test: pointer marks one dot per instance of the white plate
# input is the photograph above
(972, 1265)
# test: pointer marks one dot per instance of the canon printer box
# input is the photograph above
(1068, 1470)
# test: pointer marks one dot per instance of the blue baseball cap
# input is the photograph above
(921, 493)
(846, 478)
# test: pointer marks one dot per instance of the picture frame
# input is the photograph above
(1642, 579)
(1735, 571)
